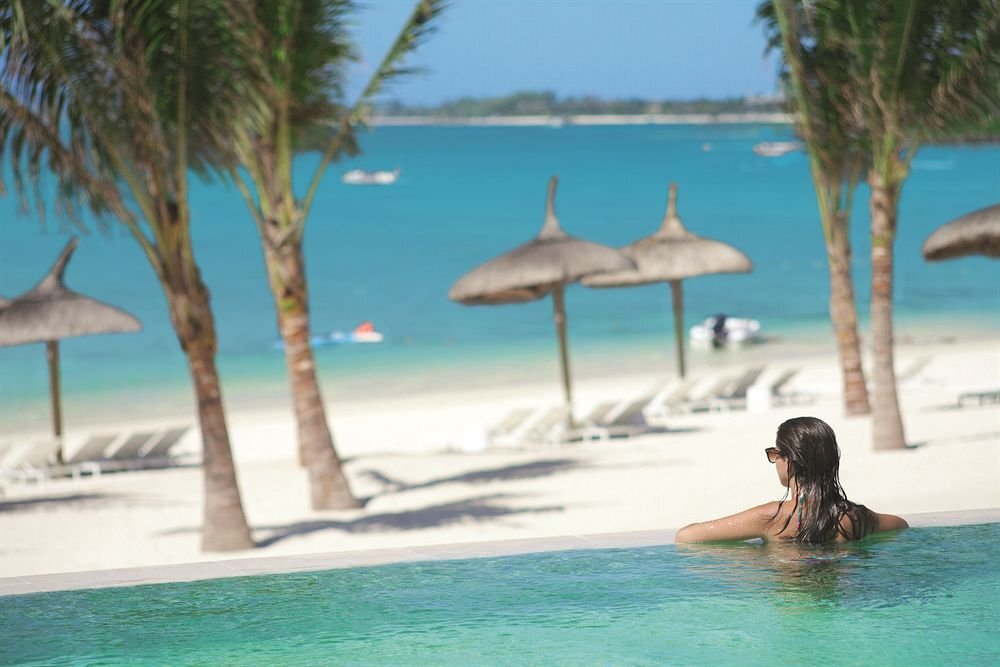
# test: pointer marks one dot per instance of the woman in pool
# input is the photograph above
(814, 509)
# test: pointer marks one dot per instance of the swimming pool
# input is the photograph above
(924, 596)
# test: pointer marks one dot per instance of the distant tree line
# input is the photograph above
(546, 103)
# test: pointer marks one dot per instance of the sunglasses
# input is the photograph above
(772, 454)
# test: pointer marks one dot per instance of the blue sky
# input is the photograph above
(661, 49)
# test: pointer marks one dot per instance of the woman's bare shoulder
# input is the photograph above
(852, 523)
(884, 522)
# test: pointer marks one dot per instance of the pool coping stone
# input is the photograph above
(251, 566)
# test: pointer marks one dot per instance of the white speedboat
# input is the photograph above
(720, 330)
(363, 177)
(776, 148)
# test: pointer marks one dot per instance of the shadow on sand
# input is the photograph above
(989, 436)
(75, 501)
(532, 470)
(482, 508)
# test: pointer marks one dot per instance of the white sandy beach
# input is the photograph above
(423, 463)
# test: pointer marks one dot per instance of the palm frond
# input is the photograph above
(420, 25)
(818, 90)
(92, 87)
(919, 68)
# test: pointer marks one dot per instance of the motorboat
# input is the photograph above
(339, 337)
(776, 148)
(364, 177)
(720, 330)
(363, 333)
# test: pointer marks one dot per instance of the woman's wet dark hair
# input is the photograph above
(809, 446)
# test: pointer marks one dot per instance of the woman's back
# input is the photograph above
(779, 521)
(815, 509)
(853, 524)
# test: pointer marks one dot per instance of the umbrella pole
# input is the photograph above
(52, 354)
(559, 315)
(677, 296)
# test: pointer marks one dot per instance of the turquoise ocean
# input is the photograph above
(466, 194)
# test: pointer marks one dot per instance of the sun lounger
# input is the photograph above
(735, 396)
(532, 428)
(779, 382)
(144, 450)
(544, 425)
(509, 423)
(10, 463)
(780, 395)
(512, 435)
(599, 413)
(160, 448)
(98, 453)
(625, 418)
(132, 445)
(669, 400)
(548, 429)
(124, 454)
(979, 396)
(93, 448)
(701, 400)
(6, 448)
(913, 370)
(88, 457)
(31, 461)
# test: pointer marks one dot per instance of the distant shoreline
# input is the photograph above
(768, 118)
(589, 119)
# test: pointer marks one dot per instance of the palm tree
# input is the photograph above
(120, 100)
(307, 48)
(819, 93)
(918, 67)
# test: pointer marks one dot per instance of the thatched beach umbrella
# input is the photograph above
(547, 263)
(50, 312)
(671, 255)
(976, 233)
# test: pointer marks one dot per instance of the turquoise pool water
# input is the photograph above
(922, 597)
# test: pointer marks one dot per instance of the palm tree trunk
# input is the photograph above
(328, 486)
(887, 423)
(224, 526)
(844, 316)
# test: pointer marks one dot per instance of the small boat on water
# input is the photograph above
(363, 333)
(363, 177)
(720, 330)
(337, 337)
(776, 148)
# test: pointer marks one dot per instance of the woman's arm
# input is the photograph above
(746, 525)
(889, 522)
